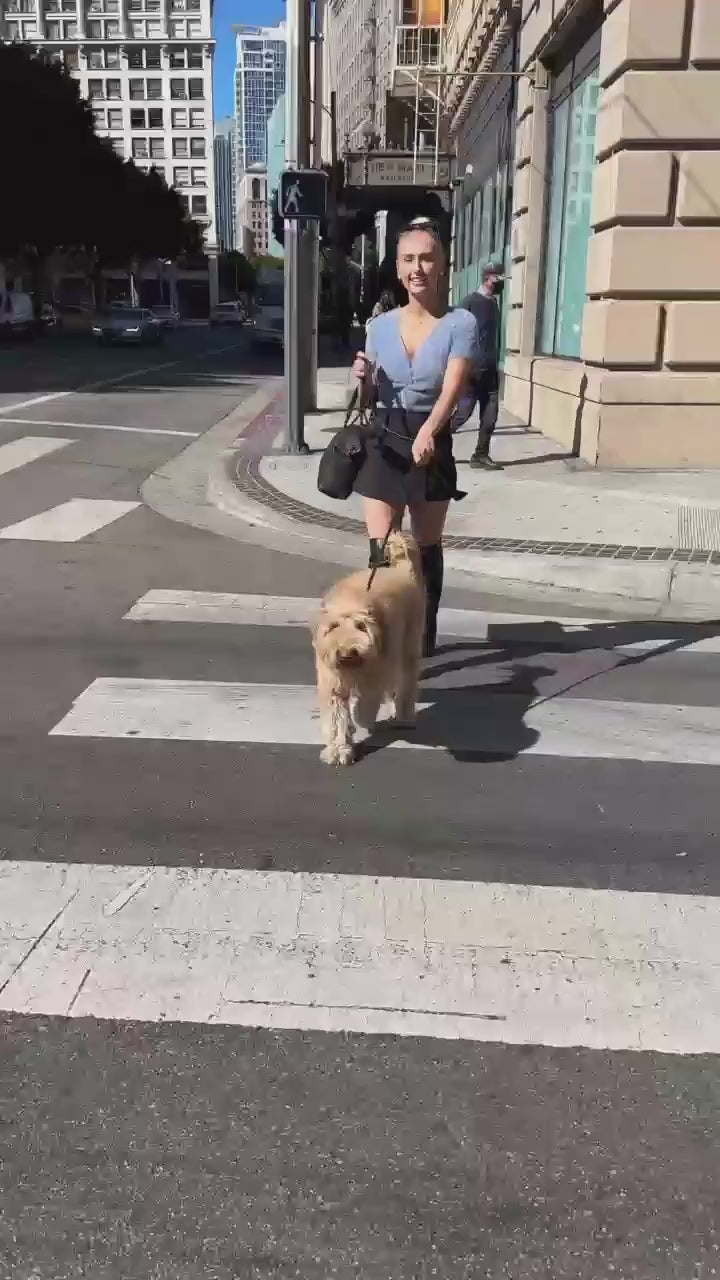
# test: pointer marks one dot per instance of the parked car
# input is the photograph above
(268, 322)
(228, 313)
(126, 324)
(168, 316)
(73, 317)
(17, 316)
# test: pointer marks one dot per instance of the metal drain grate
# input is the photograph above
(699, 527)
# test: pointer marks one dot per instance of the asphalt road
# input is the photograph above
(138, 1151)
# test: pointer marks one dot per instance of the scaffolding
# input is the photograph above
(418, 73)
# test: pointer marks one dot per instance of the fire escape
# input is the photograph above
(418, 66)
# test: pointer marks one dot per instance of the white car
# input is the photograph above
(228, 313)
(168, 317)
(17, 317)
(268, 323)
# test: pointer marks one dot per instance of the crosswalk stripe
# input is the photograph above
(226, 607)
(17, 453)
(486, 962)
(69, 521)
(492, 724)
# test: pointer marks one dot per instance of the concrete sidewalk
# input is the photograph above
(546, 530)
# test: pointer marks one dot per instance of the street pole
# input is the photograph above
(296, 157)
(314, 228)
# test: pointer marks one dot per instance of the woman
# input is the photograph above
(419, 358)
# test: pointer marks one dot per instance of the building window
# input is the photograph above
(178, 90)
(180, 148)
(96, 90)
(197, 118)
(199, 204)
(112, 59)
(196, 89)
(154, 89)
(115, 118)
(181, 177)
(155, 118)
(112, 29)
(197, 147)
(177, 60)
(199, 178)
(140, 148)
(178, 29)
(194, 59)
(137, 30)
(157, 148)
(154, 30)
(179, 118)
(137, 90)
(573, 114)
(71, 59)
(53, 33)
(194, 28)
(137, 118)
(153, 58)
(99, 117)
(93, 30)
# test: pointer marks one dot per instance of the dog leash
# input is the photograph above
(375, 567)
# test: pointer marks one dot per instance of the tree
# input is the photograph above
(235, 274)
(70, 189)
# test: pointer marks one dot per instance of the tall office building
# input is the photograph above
(146, 68)
(259, 82)
(225, 190)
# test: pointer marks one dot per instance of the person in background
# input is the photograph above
(484, 387)
(386, 302)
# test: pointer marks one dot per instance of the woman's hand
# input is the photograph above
(362, 367)
(423, 447)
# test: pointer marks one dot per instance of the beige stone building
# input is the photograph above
(595, 169)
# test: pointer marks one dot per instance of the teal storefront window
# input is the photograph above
(574, 115)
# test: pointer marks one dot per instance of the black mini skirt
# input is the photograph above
(389, 473)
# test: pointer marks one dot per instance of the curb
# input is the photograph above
(213, 485)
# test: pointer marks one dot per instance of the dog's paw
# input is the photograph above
(403, 717)
(337, 755)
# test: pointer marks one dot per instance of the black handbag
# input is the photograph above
(345, 454)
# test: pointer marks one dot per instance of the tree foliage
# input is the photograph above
(68, 189)
(236, 273)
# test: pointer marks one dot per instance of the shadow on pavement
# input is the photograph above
(485, 724)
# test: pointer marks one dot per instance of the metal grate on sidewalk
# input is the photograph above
(250, 481)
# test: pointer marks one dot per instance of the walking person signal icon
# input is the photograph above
(303, 193)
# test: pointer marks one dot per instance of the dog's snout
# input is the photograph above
(350, 656)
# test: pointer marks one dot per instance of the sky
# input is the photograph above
(228, 14)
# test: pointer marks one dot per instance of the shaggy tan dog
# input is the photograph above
(368, 644)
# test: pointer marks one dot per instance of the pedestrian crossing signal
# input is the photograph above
(303, 193)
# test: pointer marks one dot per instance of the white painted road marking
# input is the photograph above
(69, 521)
(17, 453)
(494, 724)
(471, 624)
(451, 959)
(115, 381)
(99, 426)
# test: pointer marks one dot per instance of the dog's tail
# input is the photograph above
(402, 550)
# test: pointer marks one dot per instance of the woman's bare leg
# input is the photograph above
(379, 516)
(428, 522)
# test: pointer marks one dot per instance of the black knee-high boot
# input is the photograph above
(432, 567)
(379, 558)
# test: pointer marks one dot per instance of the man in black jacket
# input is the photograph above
(485, 386)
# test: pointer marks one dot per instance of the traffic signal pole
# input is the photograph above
(297, 145)
(311, 400)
